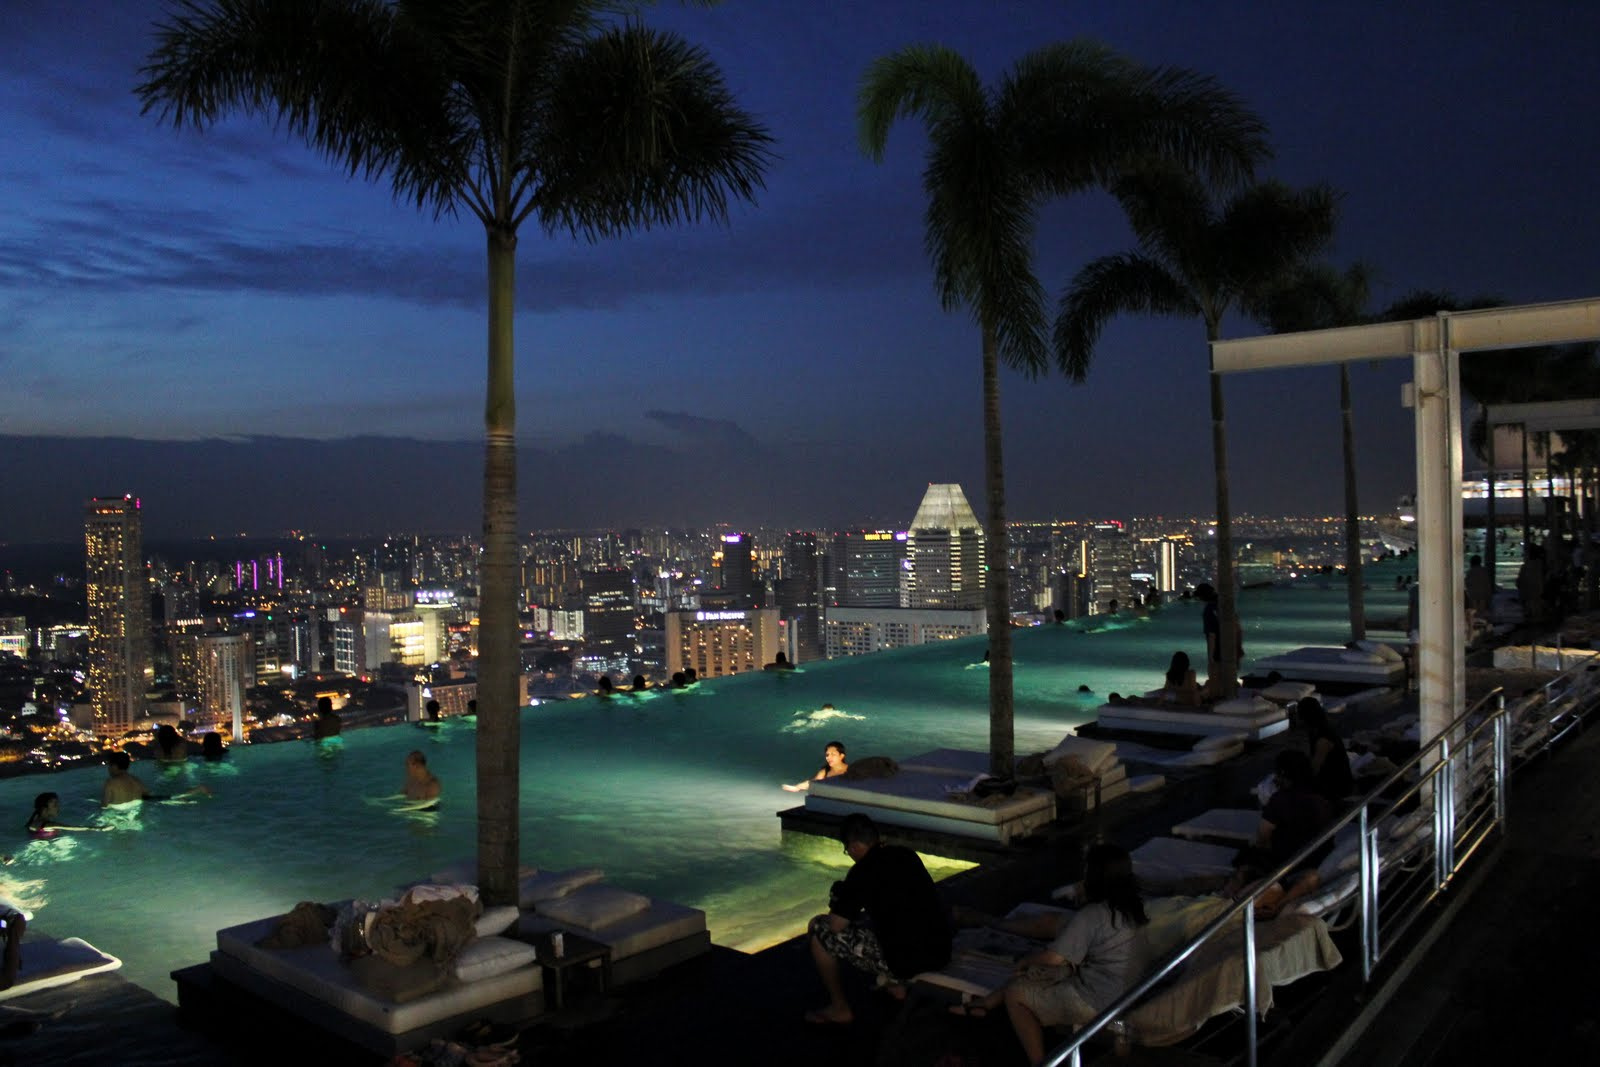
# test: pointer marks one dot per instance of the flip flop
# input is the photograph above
(820, 1017)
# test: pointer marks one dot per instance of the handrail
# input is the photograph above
(1245, 906)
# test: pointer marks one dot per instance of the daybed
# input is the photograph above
(936, 800)
(1371, 663)
(645, 935)
(493, 977)
(1255, 717)
(1098, 766)
(1209, 983)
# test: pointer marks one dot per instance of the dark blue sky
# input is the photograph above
(793, 367)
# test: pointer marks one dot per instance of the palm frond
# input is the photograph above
(377, 108)
(930, 82)
(1313, 297)
(1107, 287)
(1268, 230)
(1171, 214)
(641, 130)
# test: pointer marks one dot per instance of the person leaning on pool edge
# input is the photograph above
(833, 765)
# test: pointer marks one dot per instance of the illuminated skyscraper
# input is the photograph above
(222, 667)
(737, 578)
(944, 553)
(866, 566)
(119, 613)
(799, 596)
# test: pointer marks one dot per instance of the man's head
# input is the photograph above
(324, 705)
(1205, 591)
(118, 763)
(416, 762)
(859, 834)
(433, 709)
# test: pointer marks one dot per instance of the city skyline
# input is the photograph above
(227, 326)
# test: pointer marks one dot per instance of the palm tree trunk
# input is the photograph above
(1491, 533)
(1352, 518)
(997, 583)
(1227, 610)
(499, 669)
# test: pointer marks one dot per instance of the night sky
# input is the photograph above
(226, 325)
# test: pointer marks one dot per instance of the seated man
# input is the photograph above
(422, 785)
(1293, 817)
(885, 918)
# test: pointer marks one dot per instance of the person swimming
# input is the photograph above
(122, 787)
(42, 823)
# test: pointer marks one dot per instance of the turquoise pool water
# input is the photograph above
(672, 793)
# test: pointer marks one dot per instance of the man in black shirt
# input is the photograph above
(885, 918)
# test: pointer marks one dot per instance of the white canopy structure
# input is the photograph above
(1434, 393)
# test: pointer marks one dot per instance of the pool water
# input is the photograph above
(671, 793)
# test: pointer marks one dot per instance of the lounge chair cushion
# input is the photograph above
(1356, 655)
(1218, 741)
(400, 984)
(1095, 755)
(495, 920)
(594, 907)
(547, 885)
(1384, 652)
(1244, 705)
(1288, 692)
(486, 957)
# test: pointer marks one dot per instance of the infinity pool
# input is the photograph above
(671, 793)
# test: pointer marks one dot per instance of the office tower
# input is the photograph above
(119, 613)
(858, 631)
(737, 570)
(798, 595)
(1110, 567)
(222, 672)
(866, 567)
(1166, 565)
(944, 553)
(14, 635)
(717, 643)
(349, 650)
(610, 619)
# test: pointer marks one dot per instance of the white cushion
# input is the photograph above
(1356, 655)
(1218, 741)
(1384, 652)
(548, 884)
(495, 920)
(1244, 705)
(1096, 755)
(1288, 692)
(486, 957)
(594, 907)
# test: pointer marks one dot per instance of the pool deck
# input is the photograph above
(1492, 987)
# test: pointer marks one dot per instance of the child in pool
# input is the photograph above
(42, 823)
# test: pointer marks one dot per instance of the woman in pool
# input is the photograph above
(833, 765)
(171, 745)
(42, 823)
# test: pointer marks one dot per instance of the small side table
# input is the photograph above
(579, 951)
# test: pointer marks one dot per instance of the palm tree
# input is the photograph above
(1202, 258)
(504, 109)
(1319, 298)
(1066, 118)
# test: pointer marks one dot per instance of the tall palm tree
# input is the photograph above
(1065, 118)
(1318, 297)
(1201, 257)
(506, 110)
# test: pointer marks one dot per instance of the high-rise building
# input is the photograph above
(14, 634)
(1110, 566)
(799, 597)
(859, 631)
(610, 619)
(119, 613)
(866, 566)
(737, 570)
(944, 553)
(717, 643)
(222, 662)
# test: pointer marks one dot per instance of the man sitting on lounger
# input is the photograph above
(1294, 816)
(885, 918)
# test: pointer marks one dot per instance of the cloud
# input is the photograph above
(700, 431)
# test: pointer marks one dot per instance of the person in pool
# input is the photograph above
(171, 745)
(121, 787)
(211, 746)
(833, 765)
(42, 823)
(422, 785)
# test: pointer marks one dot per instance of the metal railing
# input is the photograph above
(1461, 778)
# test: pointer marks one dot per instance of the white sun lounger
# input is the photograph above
(1257, 720)
(646, 935)
(1347, 665)
(933, 800)
(1173, 865)
(1208, 753)
(47, 963)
